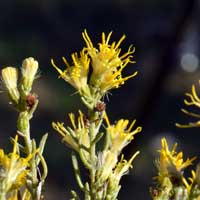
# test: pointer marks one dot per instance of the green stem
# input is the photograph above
(93, 159)
(95, 124)
(95, 119)
(23, 125)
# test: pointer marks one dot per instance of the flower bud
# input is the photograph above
(29, 70)
(9, 78)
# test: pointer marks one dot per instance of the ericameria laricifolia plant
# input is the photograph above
(171, 182)
(105, 164)
(95, 143)
(22, 177)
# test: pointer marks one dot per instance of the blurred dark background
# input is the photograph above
(166, 35)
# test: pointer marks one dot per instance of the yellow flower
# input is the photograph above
(194, 100)
(29, 71)
(170, 162)
(107, 162)
(107, 64)
(13, 169)
(114, 179)
(10, 77)
(120, 134)
(66, 134)
(78, 136)
(77, 74)
(111, 169)
(123, 167)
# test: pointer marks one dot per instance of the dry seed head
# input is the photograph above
(101, 106)
(30, 100)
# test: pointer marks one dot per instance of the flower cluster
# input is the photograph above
(171, 181)
(171, 163)
(93, 73)
(14, 169)
(108, 169)
(106, 65)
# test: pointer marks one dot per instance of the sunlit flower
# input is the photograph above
(120, 134)
(13, 168)
(121, 169)
(76, 137)
(77, 73)
(123, 166)
(66, 134)
(107, 63)
(9, 78)
(194, 100)
(29, 71)
(170, 162)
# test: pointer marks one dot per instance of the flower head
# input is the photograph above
(78, 136)
(111, 170)
(13, 168)
(29, 68)
(120, 134)
(170, 162)
(123, 166)
(77, 74)
(121, 169)
(107, 162)
(29, 71)
(9, 78)
(107, 63)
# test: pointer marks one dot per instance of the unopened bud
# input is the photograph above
(29, 71)
(9, 78)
